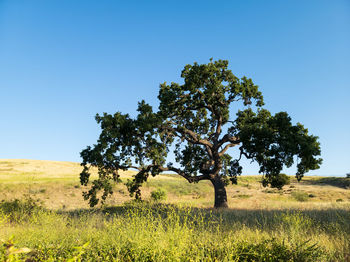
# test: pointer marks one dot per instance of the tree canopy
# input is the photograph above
(194, 120)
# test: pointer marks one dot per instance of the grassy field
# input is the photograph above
(43, 217)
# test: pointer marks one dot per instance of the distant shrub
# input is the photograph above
(339, 200)
(300, 196)
(280, 181)
(158, 195)
(277, 181)
(348, 175)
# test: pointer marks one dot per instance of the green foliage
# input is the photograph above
(158, 194)
(277, 181)
(300, 196)
(191, 120)
(273, 141)
(10, 253)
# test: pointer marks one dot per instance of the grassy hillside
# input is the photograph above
(57, 185)
(41, 208)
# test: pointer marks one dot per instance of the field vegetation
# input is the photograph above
(43, 218)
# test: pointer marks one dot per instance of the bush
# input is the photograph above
(277, 181)
(19, 210)
(300, 196)
(158, 195)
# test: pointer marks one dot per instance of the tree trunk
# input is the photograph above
(220, 192)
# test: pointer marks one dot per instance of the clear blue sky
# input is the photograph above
(63, 61)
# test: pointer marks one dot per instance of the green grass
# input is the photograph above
(155, 232)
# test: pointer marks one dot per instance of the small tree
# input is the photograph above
(194, 121)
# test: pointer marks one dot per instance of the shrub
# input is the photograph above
(158, 195)
(277, 181)
(19, 210)
(300, 196)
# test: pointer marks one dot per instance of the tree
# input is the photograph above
(194, 121)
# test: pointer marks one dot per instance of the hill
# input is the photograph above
(56, 185)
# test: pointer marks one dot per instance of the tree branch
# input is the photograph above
(222, 152)
(247, 155)
(218, 127)
(228, 138)
(190, 136)
(190, 179)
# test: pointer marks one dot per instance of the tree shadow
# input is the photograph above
(340, 182)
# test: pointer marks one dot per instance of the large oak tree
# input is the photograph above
(195, 121)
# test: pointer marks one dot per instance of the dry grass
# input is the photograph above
(57, 185)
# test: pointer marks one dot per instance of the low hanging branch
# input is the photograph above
(190, 120)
